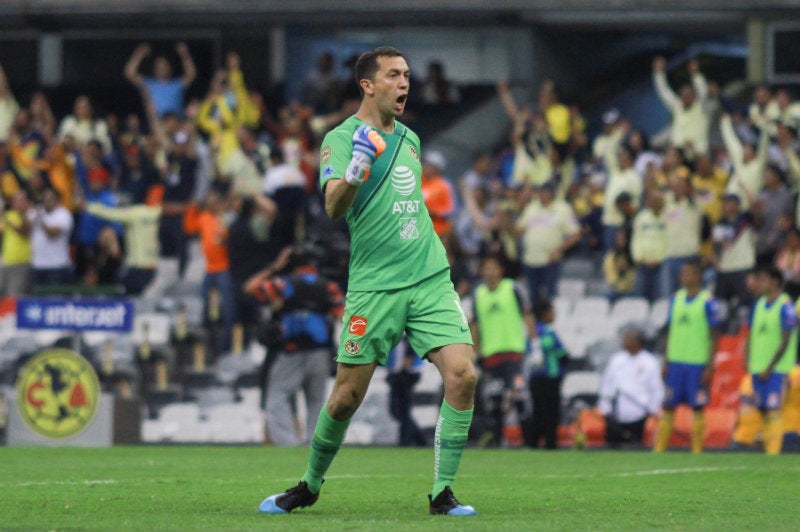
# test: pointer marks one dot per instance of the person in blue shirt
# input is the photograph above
(544, 382)
(165, 90)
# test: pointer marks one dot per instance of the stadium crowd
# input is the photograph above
(95, 199)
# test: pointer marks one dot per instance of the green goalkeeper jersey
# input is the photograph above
(393, 244)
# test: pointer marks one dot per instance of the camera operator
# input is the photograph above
(304, 308)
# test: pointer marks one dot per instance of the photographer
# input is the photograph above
(304, 306)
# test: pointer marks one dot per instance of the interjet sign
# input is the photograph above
(78, 314)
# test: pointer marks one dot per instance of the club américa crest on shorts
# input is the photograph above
(58, 393)
(352, 348)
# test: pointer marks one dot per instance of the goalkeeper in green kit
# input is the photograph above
(399, 281)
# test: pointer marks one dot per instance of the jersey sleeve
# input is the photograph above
(335, 154)
(788, 317)
(669, 310)
(713, 313)
(522, 298)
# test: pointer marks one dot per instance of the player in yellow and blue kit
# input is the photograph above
(399, 281)
(693, 337)
(771, 352)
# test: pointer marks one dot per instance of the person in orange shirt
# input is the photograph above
(437, 192)
(218, 295)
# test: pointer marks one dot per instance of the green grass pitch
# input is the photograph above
(371, 489)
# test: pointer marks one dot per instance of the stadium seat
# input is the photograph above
(601, 351)
(235, 423)
(571, 289)
(659, 311)
(590, 309)
(158, 326)
(425, 416)
(563, 308)
(577, 268)
(180, 422)
(430, 380)
(47, 337)
(628, 310)
(193, 303)
(359, 433)
(580, 382)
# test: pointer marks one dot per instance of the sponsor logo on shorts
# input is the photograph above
(413, 151)
(352, 348)
(358, 325)
(773, 400)
(326, 154)
(403, 180)
(701, 398)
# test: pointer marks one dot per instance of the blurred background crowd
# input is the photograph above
(92, 198)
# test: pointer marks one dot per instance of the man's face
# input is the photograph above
(689, 276)
(630, 343)
(491, 270)
(161, 68)
(764, 283)
(687, 95)
(390, 85)
(49, 200)
(730, 208)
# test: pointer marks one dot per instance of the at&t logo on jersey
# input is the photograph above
(403, 180)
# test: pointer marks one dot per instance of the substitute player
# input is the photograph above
(691, 345)
(399, 281)
(771, 352)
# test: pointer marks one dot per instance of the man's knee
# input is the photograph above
(462, 378)
(343, 403)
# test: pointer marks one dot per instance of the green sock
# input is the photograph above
(328, 437)
(452, 429)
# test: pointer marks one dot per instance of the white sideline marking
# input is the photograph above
(680, 471)
(56, 483)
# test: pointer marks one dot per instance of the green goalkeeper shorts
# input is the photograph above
(429, 312)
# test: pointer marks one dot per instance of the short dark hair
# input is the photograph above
(771, 271)
(496, 257)
(695, 264)
(367, 63)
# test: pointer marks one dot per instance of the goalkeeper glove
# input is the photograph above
(367, 146)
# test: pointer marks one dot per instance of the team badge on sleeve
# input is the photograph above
(326, 154)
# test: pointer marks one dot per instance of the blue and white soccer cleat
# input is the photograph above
(446, 504)
(283, 503)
